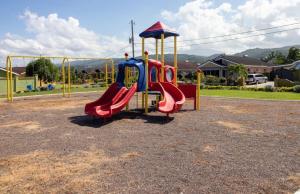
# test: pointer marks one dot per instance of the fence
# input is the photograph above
(18, 83)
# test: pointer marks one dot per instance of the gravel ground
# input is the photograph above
(48, 145)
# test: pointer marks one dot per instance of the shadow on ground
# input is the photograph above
(85, 120)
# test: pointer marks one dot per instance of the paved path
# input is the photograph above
(260, 85)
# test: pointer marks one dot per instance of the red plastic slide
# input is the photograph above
(173, 97)
(111, 102)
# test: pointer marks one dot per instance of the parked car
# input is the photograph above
(256, 78)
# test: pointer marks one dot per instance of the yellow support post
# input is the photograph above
(162, 57)
(143, 55)
(10, 81)
(146, 76)
(198, 90)
(63, 76)
(69, 79)
(7, 80)
(137, 94)
(175, 59)
(156, 49)
(143, 48)
(106, 76)
(126, 78)
(112, 72)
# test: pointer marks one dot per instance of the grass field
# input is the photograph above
(204, 92)
(252, 94)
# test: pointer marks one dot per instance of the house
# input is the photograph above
(20, 70)
(289, 71)
(218, 66)
(19, 81)
(3, 73)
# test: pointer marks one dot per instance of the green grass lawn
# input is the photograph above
(252, 94)
(204, 92)
(58, 91)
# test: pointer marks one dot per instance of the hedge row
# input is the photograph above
(266, 89)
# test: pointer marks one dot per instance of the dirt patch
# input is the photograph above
(235, 110)
(40, 170)
(26, 127)
(209, 148)
(51, 104)
(131, 155)
(295, 179)
(237, 127)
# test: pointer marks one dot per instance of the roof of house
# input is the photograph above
(3, 69)
(19, 70)
(242, 60)
(294, 65)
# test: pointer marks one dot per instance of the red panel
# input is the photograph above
(189, 90)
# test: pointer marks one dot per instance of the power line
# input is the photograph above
(230, 39)
(239, 33)
(224, 40)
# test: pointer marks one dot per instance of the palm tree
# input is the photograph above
(237, 72)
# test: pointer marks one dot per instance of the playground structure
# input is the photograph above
(65, 70)
(150, 77)
(153, 77)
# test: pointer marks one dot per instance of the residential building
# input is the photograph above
(218, 66)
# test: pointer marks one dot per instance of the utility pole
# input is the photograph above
(131, 39)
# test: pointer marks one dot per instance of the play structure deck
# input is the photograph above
(118, 96)
(152, 76)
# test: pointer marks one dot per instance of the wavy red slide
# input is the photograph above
(111, 102)
(173, 98)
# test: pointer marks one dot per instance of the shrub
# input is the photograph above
(283, 83)
(202, 86)
(269, 88)
(241, 81)
(297, 88)
(214, 87)
(285, 89)
(262, 89)
(211, 80)
(223, 81)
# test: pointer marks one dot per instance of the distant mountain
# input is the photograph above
(169, 58)
(184, 60)
(259, 53)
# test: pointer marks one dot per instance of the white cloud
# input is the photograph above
(202, 18)
(53, 35)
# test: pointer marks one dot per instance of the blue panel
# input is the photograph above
(157, 34)
(139, 64)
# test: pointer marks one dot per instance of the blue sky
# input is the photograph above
(105, 17)
(101, 28)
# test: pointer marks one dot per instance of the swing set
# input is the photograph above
(65, 68)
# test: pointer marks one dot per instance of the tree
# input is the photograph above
(294, 54)
(236, 72)
(73, 76)
(280, 59)
(44, 68)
